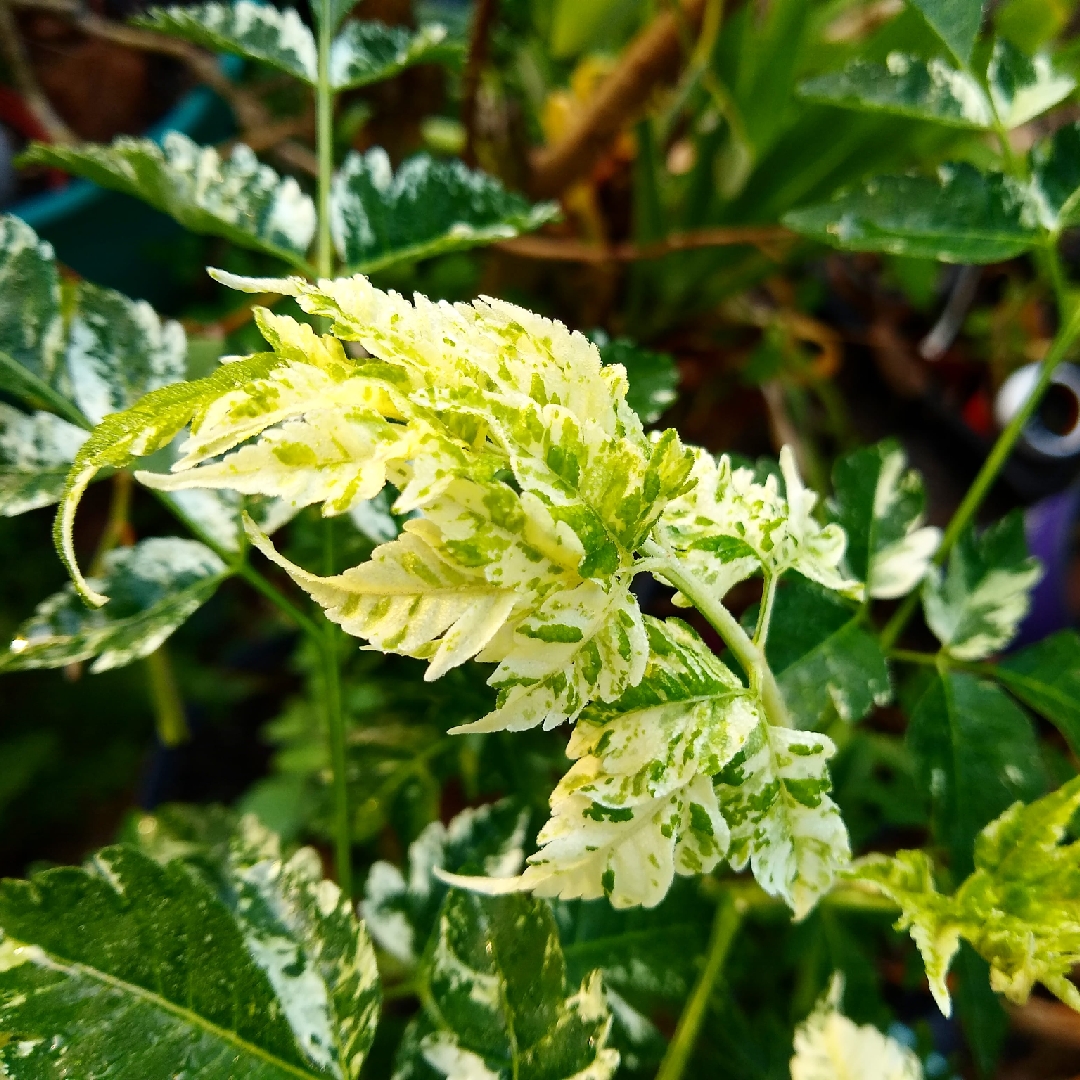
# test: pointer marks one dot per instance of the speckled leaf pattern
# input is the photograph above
(1019, 908)
(277, 37)
(1046, 677)
(956, 22)
(36, 451)
(368, 51)
(154, 587)
(829, 1046)
(960, 215)
(775, 798)
(237, 197)
(905, 86)
(400, 908)
(1023, 87)
(427, 207)
(880, 503)
(977, 753)
(497, 1005)
(976, 605)
(135, 969)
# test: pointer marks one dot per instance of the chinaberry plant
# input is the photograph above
(530, 498)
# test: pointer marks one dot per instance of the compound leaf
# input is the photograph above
(154, 587)
(368, 51)
(129, 968)
(428, 207)
(1046, 677)
(237, 197)
(36, 452)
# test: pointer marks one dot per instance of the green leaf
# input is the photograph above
(367, 51)
(961, 215)
(496, 1003)
(132, 969)
(774, 795)
(976, 752)
(1019, 908)
(905, 86)
(956, 22)
(273, 36)
(1046, 677)
(975, 608)
(880, 503)
(329, 13)
(653, 377)
(36, 452)
(401, 912)
(154, 587)
(1055, 167)
(827, 664)
(238, 198)
(1023, 87)
(428, 207)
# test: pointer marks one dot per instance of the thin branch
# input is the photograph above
(652, 58)
(768, 238)
(22, 72)
(479, 43)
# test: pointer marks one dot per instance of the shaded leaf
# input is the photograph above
(1055, 166)
(1022, 87)
(1046, 677)
(238, 197)
(154, 587)
(956, 22)
(133, 969)
(653, 377)
(36, 452)
(428, 207)
(367, 51)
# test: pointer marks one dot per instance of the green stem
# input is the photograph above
(725, 924)
(168, 705)
(324, 104)
(116, 523)
(727, 626)
(993, 465)
(335, 730)
(280, 601)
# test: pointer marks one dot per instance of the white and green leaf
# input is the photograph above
(1023, 87)
(367, 51)
(1046, 677)
(36, 452)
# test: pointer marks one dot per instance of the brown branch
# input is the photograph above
(652, 58)
(22, 72)
(767, 237)
(479, 42)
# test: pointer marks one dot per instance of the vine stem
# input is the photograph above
(749, 655)
(994, 463)
(729, 913)
(324, 104)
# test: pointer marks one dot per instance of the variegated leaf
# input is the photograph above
(154, 587)
(1023, 87)
(258, 31)
(1019, 909)
(36, 452)
(237, 197)
(367, 51)
(975, 607)
(879, 502)
(428, 207)
(260, 969)
(829, 1046)
(775, 797)
(496, 1001)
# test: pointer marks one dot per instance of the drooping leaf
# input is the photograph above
(153, 587)
(428, 207)
(829, 1046)
(261, 32)
(496, 1001)
(1019, 908)
(775, 797)
(400, 911)
(977, 754)
(1022, 87)
(905, 86)
(956, 22)
(653, 376)
(368, 51)
(961, 215)
(132, 969)
(1046, 677)
(826, 662)
(975, 607)
(36, 452)
(238, 197)
(880, 505)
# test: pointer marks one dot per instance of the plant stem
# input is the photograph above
(993, 465)
(727, 626)
(324, 104)
(335, 730)
(280, 601)
(172, 726)
(116, 524)
(726, 922)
